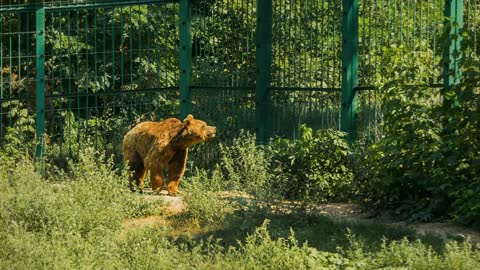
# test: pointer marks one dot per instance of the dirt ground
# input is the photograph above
(171, 206)
(175, 205)
(444, 230)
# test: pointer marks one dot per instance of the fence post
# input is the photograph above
(452, 52)
(349, 68)
(263, 62)
(40, 84)
(185, 57)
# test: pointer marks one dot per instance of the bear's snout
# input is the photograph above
(211, 131)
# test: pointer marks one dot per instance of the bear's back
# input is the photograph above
(148, 134)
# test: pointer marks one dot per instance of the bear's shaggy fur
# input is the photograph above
(160, 146)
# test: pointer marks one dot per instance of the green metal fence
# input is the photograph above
(223, 64)
(306, 67)
(94, 68)
(75, 71)
(389, 30)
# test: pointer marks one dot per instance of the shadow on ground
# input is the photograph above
(326, 227)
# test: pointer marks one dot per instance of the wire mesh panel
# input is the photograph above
(223, 71)
(472, 28)
(306, 68)
(17, 66)
(319, 109)
(109, 64)
(391, 30)
(231, 110)
(15, 5)
(107, 68)
(370, 116)
(306, 44)
(223, 43)
(399, 41)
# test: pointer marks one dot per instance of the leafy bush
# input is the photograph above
(427, 164)
(260, 251)
(201, 196)
(406, 255)
(78, 133)
(314, 168)
(397, 172)
(244, 165)
(460, 147)
(87, 200)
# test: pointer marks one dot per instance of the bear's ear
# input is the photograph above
(189, 117)
(188, 120)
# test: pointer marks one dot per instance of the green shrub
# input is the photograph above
(460, 147)
(427, 164)
(243, 170)
(260, 251)
(244, 165)
(403, 254)
(69, 221)
(202, 198)
(398, 171)
(90, 198)
(314, 168)
(78, 133)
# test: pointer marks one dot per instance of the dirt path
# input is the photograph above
(175, 205)
(444, 230)
(171, 206)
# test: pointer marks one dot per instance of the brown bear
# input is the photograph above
(160, 146)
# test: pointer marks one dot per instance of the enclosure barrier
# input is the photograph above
(88, 70)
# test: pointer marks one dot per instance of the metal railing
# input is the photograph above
(89, 70)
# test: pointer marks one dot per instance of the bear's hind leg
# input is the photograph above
(138, 172)
(156, 179)
(176, 169)
(138, 177)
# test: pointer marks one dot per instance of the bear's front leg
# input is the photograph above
(176, 169)
(156, 179)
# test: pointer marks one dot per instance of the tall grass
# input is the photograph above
(66, 220)
(73, 220)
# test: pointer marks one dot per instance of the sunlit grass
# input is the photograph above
(86, 219)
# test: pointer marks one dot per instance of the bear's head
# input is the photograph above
(197, 131)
